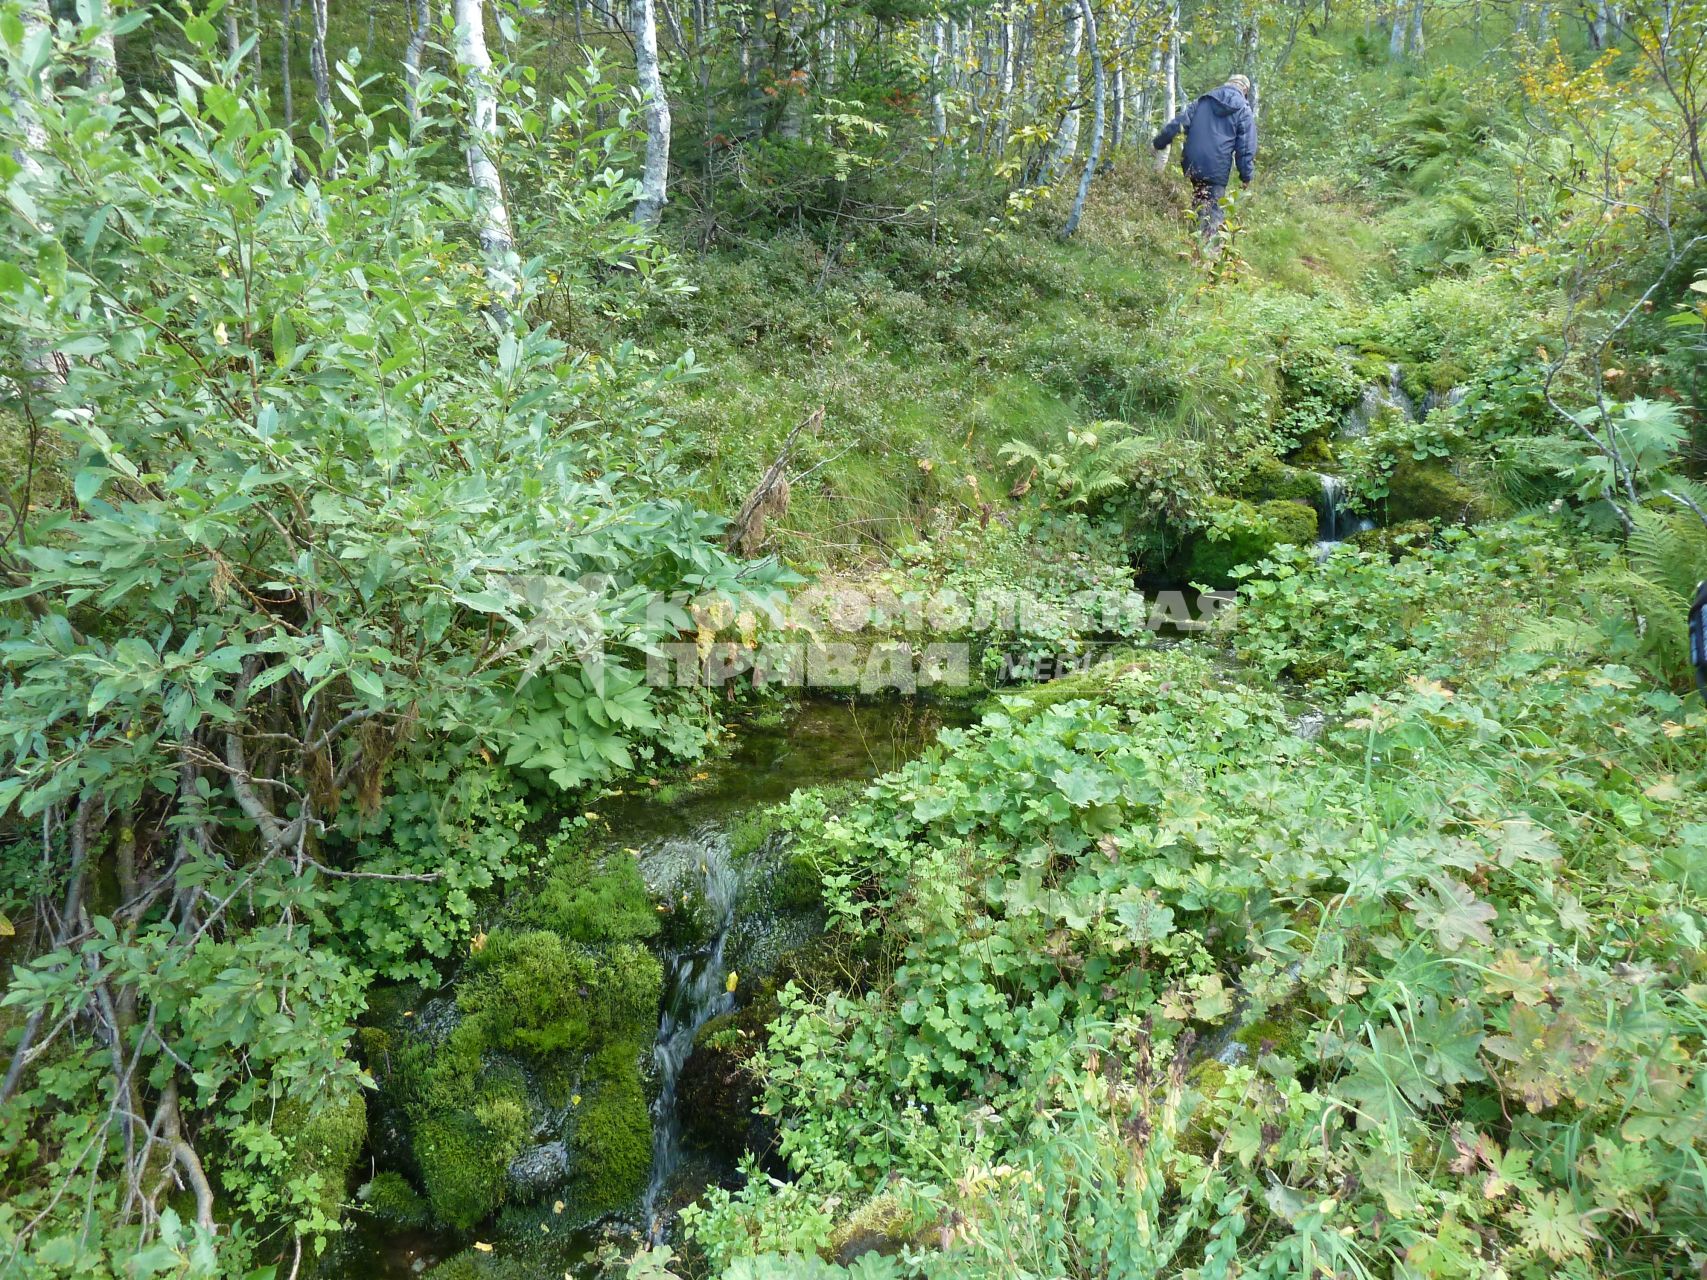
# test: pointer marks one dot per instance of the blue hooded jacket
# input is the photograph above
(1219, 127)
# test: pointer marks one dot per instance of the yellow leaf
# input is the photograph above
(557, 1206)
(730, 984)
(6, 929)
(574, 1102)
(481, 1246)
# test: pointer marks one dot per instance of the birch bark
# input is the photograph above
(420, 22)
(655, 175)
(491, 214)
(1097, 102)
(1067, 142)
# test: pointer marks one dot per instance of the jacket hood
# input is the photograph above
(1228, 100)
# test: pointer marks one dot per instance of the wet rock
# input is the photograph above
(538, 1170)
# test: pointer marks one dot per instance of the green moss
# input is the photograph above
(390, 1198)
(1243, 534)
(1429, 491)
(591, 901)
(463, 1155)
(1316, 453)
(1286, 1035)
(612, 1143)
(799, 887)
(1267, 478)
(326, 1138)
(754, 830)
(1091, 684)
(1394, 540)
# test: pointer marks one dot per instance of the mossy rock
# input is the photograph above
(390, 1199)
(1246, 533)
(611, 1146)
(464, 1155)
(1267, 478)
(593, 901)
(1394, 540)
(1430, 491)
(1316, 455)
(326, 1138)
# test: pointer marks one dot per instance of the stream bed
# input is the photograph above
(683, 838)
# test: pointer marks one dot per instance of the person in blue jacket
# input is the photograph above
(1219, 129)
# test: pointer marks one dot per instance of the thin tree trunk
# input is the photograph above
(233, 37)
(654, 181)
(1097, 99)
(1067, 143)
(420, 22)
(491, 214)
(317, 62)
(935, 35)
(1417, 29)
(287, 26)
(1170, 80)
(104, 59)
(1117, 127)
(255, 26)
(1396, 44)
(1005, 85)
(32, 137)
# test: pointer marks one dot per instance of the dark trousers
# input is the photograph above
(1206, 199)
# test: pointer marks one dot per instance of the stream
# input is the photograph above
(684, 848)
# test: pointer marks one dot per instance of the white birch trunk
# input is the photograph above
(935, 36)
(32, 137)
(1170, 81)
(655, 176)
(1067, 143)
(233, 37)
(420, 22)
(491, 214)
(1005, 84)
(287, 27)
(790, 124)
(317, 60)
(1097, 103)
(1416, 40)
(1396, 44)
(104, 59)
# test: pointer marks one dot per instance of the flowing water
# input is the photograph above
(684, 848)
(1333, 523)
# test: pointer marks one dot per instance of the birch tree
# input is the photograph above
(1170, 79)
(1097, 98)
(287, 25)
(317, 67)
(1067, 141)
(654, 180)
(420, 22)
(491, 214)
(104, 80)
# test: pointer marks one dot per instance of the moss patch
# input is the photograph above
(1429, 491)
(1243, 533)
(326, 1137)
(391, 1199)
(1267, 478)
(612, 1142)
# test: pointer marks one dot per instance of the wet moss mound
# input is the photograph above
(1244, 533)
(540, 1055)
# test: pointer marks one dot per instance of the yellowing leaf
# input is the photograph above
(730, 984)
(481, 1246)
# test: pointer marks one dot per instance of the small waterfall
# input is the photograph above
(1396, 394)
(1333, 523)
(1357, 420)
(696, 990)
